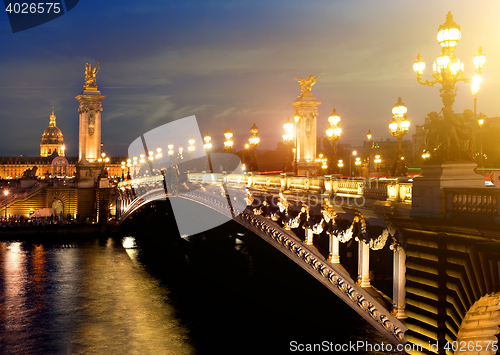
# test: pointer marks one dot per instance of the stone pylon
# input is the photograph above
(89, 145)
(90, 125)
(306, 106)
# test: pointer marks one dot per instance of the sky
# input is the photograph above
(233, 63)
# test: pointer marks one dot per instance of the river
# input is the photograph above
(224, 292)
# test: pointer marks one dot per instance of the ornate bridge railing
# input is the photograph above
(473, 201)
(392, 189)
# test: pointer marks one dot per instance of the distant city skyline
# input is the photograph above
(234, 64)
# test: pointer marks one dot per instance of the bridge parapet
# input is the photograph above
(391, 189)
(484, 201)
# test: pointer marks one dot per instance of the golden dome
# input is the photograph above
(52, 138)
(52, 135)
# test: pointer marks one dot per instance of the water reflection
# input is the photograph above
(86, 298)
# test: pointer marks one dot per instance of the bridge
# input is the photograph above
(445, 271)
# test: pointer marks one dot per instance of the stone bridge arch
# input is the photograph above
(481, 326)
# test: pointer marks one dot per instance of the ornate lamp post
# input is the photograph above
(480, 122)
(287, 140)
(228, 143)
(377, 162)
(179, 155)
(354, 153)
(208, 147)
(447, 71)
(254, 142)
(357, 163)
(474, 88)
(333, 134)
(296, 117)
(369, 137)
(6, 193)
(399, 128)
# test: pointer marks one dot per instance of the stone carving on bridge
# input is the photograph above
(249, 198)
(378, 314)
(450, 138)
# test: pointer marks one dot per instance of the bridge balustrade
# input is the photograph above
(473, 200)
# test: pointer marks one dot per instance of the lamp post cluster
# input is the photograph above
(254, 142)
(399, 128)
(288, 138)
(447, 71)
(333, 134)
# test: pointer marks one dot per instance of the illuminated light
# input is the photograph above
(128, 242)
(475, 84)
(449, 33)
(419, 65)
(399, 108)
(479, 59)
(296, 116)
(334, 117)
(443, 61)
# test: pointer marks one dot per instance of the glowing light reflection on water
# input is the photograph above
(88, 298)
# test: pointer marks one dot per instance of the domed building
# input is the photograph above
(52, 139)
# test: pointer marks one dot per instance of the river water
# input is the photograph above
(219, 293)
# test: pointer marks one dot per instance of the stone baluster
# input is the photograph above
(363, 264)
(399, 282)
(334, 255)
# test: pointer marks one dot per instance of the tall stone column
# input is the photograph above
(90, 200)
(89, 145)
(90, 125)
(306, 106)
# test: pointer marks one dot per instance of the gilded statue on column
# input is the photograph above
(90, 73)
(307, 83)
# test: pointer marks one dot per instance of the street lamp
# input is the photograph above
(287, 140)
(480, 122)
(228, 144)
(447, 71)
(369, 137)
(354, 153)
(357, 162)
(208, 146)
(254, 142)
(340, 164)
(191, 145)
(377, 162)
(296, 117)
(333, 134)
(399, 128)
(6, 193)
(474, 88)
(159, 154)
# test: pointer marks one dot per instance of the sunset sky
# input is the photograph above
(233, 63)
